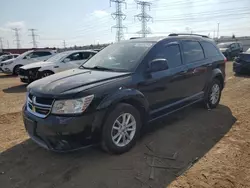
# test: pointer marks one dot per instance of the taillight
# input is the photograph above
(225, 59)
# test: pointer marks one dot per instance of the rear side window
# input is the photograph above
(192, 51)
(209, 49)
(172, 54)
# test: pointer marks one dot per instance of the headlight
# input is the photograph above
(72, 106)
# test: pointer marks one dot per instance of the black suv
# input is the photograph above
(230, 49)
(122, 88)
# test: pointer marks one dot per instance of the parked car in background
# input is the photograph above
(4, 53)
(58, 63)
(241, 63)
(114, 94)
(230, 49)
(7, 57)
(12, 66)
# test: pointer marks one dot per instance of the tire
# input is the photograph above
(213, 101)
(110, 129)
(46, 73)
(16, 69)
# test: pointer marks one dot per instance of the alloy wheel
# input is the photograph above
(123, 129)
(215, 93)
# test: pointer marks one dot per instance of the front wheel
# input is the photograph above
(46, 73)
(16, 70)
(121, 129)
(213, 95)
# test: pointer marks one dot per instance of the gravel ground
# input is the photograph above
(219, 138)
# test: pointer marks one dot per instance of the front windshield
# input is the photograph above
(119, 56)
(223, 45)
(59, 56)
(24, 54)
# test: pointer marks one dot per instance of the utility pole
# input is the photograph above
(33, 35)
(18, 45)
(64, 44)
(119, 16)
(1, 43)
(218, 31)
(143, 17)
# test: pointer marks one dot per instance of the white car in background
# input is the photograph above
(58, 63)
(7, 57)
(12, 66)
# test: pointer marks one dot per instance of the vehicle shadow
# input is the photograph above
(16, 89)
(190, 133)
(6, 76)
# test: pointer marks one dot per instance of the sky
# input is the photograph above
(82, 22)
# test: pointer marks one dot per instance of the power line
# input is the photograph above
(33, 35)
(143, 17)
(18, 45)
(119, 16)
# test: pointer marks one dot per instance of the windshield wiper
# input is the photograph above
(98, 68)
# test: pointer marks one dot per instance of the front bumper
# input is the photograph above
(28, 76)
(241, 67)
(64, 134)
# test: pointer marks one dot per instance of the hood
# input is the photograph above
(63, 82)
(7, 61)
(37, 64)
(223, 49)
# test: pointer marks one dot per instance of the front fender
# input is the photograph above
(124, 95)
(47, 68)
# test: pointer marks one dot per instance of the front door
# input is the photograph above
(75, 60)
(163, 89)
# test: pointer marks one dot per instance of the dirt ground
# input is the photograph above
(219, 139)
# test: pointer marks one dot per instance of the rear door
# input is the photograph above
(198, 67)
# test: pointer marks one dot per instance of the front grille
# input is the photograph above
(22, 72)
(39, 106)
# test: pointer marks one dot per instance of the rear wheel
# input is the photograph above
(121, 129)
(212, 97)
(46, 73)
(16, 69)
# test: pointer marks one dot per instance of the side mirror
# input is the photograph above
(158, 65)
(66, 60)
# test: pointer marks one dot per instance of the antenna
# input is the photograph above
(119, 16)
(143, 17)
(33, 35)
(18, 45)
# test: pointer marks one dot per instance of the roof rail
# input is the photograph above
(177, 34)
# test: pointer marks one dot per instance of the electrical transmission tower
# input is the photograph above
(1, 43)
(18, 45)
(64, 44)
(119, 16)
(143, 17)
(33, 35)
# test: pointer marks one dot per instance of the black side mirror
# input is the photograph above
(158, 65)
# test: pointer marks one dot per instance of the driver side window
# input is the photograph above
(75, 57)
